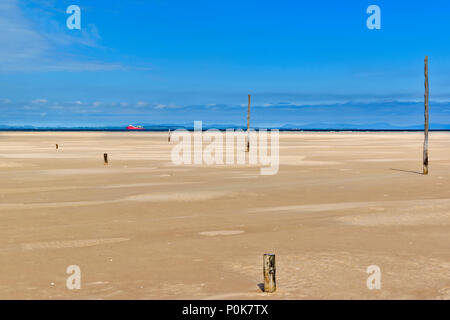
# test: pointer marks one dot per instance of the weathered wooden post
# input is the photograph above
(105, 158)
(57, 146)
(168, 139)
(270, 284)
(425, 143)
(248, 124)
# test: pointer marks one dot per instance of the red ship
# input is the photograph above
(130, 127)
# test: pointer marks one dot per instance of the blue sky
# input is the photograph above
(306, 63)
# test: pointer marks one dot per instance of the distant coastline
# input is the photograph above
(206, 128)
(290, 127)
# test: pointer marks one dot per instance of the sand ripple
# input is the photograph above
(71, 243)
(177, 196)
(220, 233)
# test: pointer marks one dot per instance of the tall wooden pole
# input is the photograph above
(425, 143)
(248, 124)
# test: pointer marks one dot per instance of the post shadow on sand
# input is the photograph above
(261, 286)
(409, 171)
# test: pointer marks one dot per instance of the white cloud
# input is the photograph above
(37, 101)
(141, 104)
(18, 40)
(168, 106)
(42, 44)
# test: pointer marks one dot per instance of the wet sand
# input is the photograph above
(144, 228)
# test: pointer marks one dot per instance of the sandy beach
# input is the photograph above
(142, 227)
